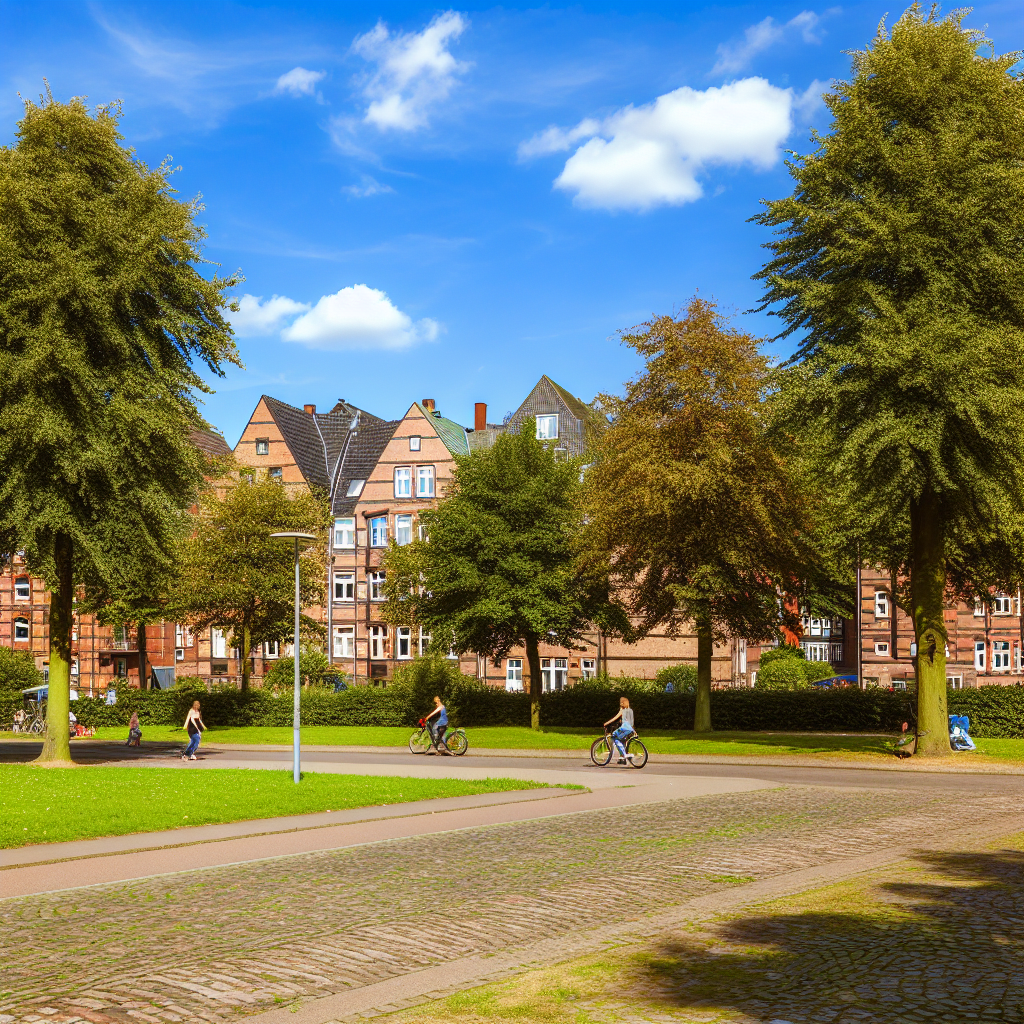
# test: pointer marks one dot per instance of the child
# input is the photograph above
(624, 731)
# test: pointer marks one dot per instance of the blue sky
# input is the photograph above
(449, 202)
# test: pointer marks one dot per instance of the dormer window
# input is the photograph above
(414, 444)
(547, 427)
(355, 488)
(262, 445)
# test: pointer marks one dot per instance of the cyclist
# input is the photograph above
(624, 731)
(437, 729)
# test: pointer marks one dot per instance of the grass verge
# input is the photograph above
(751, 744)
(56, 805)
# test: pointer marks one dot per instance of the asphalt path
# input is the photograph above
(898, 776)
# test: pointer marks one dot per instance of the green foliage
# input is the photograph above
(682, 677)
(782, 674)
(190, 684)
(18, 670)
(781, 653)
(815, 670)
(314, 670)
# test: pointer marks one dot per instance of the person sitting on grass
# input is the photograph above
(624, 731)
(195, 725)
(134, 732)
(437, 729)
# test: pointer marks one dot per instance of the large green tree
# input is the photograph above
(103, 316)
(499, 569)
(899, 259)
(695, 502)
(232, 575)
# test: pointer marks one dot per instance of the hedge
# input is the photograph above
(995, 711)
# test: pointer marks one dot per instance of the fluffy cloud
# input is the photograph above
(733, 57)
(299, 82)
(642, 157)
(414, 72)
(358, 317)
(256, 317)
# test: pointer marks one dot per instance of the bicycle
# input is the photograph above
(603, 749)
(454, 741)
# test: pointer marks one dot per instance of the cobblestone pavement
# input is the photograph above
(229, 941)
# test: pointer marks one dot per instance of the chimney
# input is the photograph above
(310, 410)
(428, 404)
(480, 416)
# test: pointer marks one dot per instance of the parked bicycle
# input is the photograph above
(454, 740)
(602, 750)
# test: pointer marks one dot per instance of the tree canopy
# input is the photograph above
(103, 317)
(898, 259)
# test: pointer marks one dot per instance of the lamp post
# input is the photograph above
(296, 536)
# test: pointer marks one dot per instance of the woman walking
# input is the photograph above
(134, 732)
(195, 726)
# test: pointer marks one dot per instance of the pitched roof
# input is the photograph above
(363, 450)
(454, 436)
(210, 443)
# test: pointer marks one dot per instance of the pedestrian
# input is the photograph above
(624, 731)
(134, 732)
(195, 726)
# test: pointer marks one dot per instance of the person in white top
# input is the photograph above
(624, 731)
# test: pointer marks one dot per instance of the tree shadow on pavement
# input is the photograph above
(941, 939)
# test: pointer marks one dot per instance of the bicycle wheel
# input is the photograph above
(635, 747)
(457, 743)
(601, 750)
(419, 742)
(37, 726)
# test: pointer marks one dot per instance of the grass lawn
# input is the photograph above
(514, 738)
(55, 805)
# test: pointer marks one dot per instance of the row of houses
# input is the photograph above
(379, 475)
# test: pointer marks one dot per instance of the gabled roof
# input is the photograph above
(358, 456)
(454, 436)
(210, 443)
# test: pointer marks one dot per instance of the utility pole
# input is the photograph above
(859, 615)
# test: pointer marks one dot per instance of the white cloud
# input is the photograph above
(359, 317)
(557, 140)
(368, 186)
(254, 316)
(808, 101)
(415, 71)
(299, 82)
(642, 157)
(733, 57)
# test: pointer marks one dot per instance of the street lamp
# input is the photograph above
(296, 536)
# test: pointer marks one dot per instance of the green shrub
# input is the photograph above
(18, 671)
(781, 653)
(682, 677)
(782, 674)
(815, 670)
(314, 669)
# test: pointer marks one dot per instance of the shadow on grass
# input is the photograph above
(945, 943)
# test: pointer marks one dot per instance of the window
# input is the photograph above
(379, 532)
(179, 654)
(424, 642)
(275, 473)
(378, 641)
(344, 586)
(262, 445)
(881, 604)
(588, 668)
(345, 533)
(1000, 655)
(514, 674)
(1002, 605)
(955, 682)
(547, 428)
(414, 444)
(22, 589)
(272, 649)
(355, 488)
(554, 673)
(815, 626)
(404, 642)
(403, 529)
(377, 585)
(344, 641)
(979, 655)
(979, 608)
(817, 652)
(122, 668)
(424, 481)
(882, 648)
(421, 532)
(403, 482)
(21, 629)
(218, 645)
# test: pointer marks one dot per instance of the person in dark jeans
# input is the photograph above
(195, 726)
(437, 729)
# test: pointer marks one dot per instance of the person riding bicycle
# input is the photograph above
(437, 729)
(624, 731)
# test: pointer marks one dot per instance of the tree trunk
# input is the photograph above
(927, 588)
(702, 710)
(533, 660)
(143, 659)
(57, 743)
(245, 657)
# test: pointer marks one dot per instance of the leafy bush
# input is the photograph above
(314, 669)
(781, 653)
(682, 677)
(815, 670)
(18, 671)
(782, 674)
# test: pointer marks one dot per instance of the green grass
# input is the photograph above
(55, 805)
(751, 744)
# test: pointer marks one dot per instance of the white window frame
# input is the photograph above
(1002, 604)
(425, 482)
(423, 642)
(345, 532)
(815, 626)
(882, 648)
(1001, 655)
(554, 673)
(881, 604)
(421, 532)
(979, 608)
(218, 643)
(344, 641)
(403, 481)
(547, 427)
(377, 585)
(23, 588)
(403, 527)
(403, 643)
(979, 655)
(262, 445)
(817, 651)
(355, 488)
(379, 643)
(344, 587)
(179, 654)
(22, 626)
(272, 649)
(588, 667)
(379, 532)
(414, 443)
(514, 675)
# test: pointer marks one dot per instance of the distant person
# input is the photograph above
(437, 729)
(111, 696)
(624, 731)
(134, 732)
(195, 725)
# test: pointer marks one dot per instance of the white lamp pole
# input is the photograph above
(296, 536)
